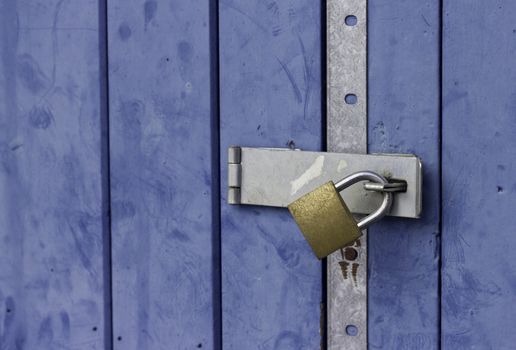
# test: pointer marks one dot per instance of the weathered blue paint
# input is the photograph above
(51, 221)
(269, 96)
(404, 109)
(52, 229)
(479, 186)
(161, 175)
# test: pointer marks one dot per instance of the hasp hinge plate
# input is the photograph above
(276, 177)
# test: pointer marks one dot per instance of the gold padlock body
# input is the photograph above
(325, 220)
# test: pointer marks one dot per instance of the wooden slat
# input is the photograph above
(270, 84)
(404, 85)
(161, 175)
(51, 176)
(479, 190)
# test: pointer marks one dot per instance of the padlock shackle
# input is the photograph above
(386, 205)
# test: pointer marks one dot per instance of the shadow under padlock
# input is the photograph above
(325, 220)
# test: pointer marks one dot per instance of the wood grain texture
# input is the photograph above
(404, 88)
(270, 84)
(51, 222)
(160, 117)
(479, 186)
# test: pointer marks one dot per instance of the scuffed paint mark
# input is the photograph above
(293, 83)
(342, 165)
(65, 324)
(288, 340)
(31, 75)
(185, 51)
(149, 9)
(307, 76)
(45, 332)
(41, 117)
(254, 21)
(314, 171)
(15, 144)
(55, 48)
(425, 20)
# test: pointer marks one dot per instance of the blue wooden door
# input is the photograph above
(115, 119)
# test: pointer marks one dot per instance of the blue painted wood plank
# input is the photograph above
(270, 84)
(404, 89)
(161, 175)
(51, 221)
(479, 190)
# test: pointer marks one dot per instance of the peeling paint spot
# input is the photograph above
(150, 8)
(188, 87)
(46, 333)
(179, 236)
(65, 323)
(124, 31)
(287, 340)
(122, 210)
(314, 171)
(16, 144)
(185, 51)
(31, 75)
(40, 117)
(342, 165)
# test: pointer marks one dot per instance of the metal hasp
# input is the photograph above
(277, 177)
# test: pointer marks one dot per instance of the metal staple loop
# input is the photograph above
(375, 179)
(391, 187)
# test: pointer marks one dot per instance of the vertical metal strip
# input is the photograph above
(347, 132)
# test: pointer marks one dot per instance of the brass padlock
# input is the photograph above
(325, 220)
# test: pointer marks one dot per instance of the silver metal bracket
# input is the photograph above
(346, 61)
(276, 177)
